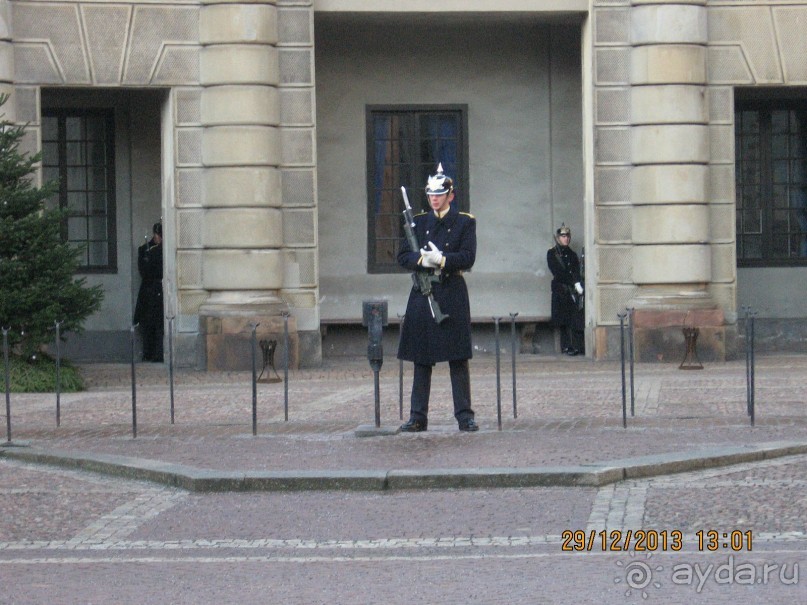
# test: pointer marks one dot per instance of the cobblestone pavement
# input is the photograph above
(75, 537)
(69, 536)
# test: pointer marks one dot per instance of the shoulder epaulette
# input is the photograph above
(420, 214)
(468, 214)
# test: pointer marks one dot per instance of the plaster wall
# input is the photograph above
(521, 84)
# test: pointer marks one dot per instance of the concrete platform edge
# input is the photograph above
(587, 475)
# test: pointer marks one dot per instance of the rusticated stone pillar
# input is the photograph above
(242, 224)
(670, 157)
(7, 62)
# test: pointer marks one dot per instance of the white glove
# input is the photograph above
(426, 261)
(578, 288)
(433, 256)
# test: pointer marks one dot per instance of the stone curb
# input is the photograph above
(586, 475)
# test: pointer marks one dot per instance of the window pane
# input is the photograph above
(97, 202)
(404, 147)
(752, 246)
(79, 150)
(75, 154)
(77, 203)
(752, 221)
(97, 252)
(97, 178)
(95, 128)
(780, 119)
(97, 228)
(96, 153)
(76, 179)
(74, 128)
(77, 228)
(779, 146)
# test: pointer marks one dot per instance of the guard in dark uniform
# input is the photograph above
(567, 292)
(447, 239)
(149, 307)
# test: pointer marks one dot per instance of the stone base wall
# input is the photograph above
(228, 341)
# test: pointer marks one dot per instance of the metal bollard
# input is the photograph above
(134, 381)
(630, 357)
(513, 354)
(285, 366)
(753, 385)
(400, 368)
(622, 317)
(58, 373)
(374, 318)
(253, 348)
(747, 360)
(498, 376)
(8, 383)
(171, 363)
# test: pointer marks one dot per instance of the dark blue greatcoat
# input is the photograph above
(423, 341)
(565, 267)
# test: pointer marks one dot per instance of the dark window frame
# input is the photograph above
(417, 171)
(61, 114)
(764, 102)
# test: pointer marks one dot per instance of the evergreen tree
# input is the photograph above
(37, 268)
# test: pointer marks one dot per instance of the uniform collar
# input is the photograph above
(448, 217)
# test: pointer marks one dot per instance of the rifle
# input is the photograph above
(423, 281)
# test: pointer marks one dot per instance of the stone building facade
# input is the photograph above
(247, 127)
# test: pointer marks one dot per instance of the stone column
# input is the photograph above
(670, 157)
(242, 224)
(7, 61)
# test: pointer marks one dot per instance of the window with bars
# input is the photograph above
(771, 182)
(404, 146)
(78, 153)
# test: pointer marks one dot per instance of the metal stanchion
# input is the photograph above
(374, 318)
(8, 383)
(513, 353)
(753, 385)
(58, 325)
(134, 381)
(400, 368)
(498, 376)
(747, 360)
(253, 349)
(630, 357)
(285, 366)
(171, 364)
(622, 317)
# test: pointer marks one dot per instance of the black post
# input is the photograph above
(8, 384)
(401, 319)
(498, 376)
(747, 359)
(253, 347)
(134, 382)
(286, 366)
(374, 318)
(58, 374)
(171, 364)
(753, 385)
(513, 353)
(622, 358)
(630, 356)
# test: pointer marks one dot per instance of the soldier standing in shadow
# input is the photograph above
(149, 307)
(567, 292)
